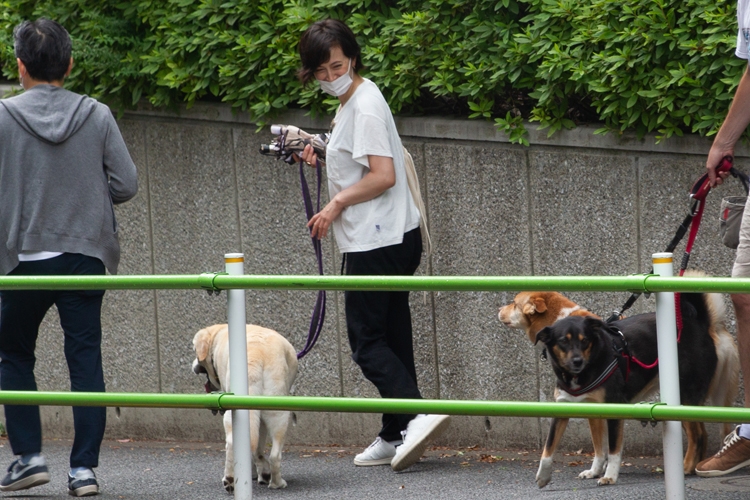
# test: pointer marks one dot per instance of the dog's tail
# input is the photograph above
(724, 385)
(725, 382)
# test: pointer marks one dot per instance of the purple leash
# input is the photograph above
(319, 313)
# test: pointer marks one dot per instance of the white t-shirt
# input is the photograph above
(743, 32)
(364, 126)
(34, 256)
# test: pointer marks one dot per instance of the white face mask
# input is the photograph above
(340, 85)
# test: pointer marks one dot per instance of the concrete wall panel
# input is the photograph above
(194, 218)
(575, 204)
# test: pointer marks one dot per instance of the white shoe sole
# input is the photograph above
(28, 482)
(368, 463)
(408, 456)
(717, 473)
(84, 491)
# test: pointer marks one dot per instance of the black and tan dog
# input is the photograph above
(597, 362)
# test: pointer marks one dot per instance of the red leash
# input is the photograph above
(698, 194)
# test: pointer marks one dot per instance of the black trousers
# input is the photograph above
(21, 312)
(379, 326)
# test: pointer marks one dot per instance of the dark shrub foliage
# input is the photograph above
(663, 66)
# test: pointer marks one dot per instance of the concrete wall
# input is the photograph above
(575, 204)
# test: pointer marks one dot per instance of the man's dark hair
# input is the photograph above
(44, 47)
(317, 41)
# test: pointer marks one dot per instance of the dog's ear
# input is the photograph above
(534, 305)
(201, 344)
(544, 335)
(592, 323)
(540, 304)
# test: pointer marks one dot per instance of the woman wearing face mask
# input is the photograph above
(376, 225)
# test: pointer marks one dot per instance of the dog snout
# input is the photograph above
(198, 368)
(504, 314)
(576, 363)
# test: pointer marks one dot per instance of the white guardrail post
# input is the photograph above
(669, 379)
(243, 482)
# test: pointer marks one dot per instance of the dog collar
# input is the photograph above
(212, 388)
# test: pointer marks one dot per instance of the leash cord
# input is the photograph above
(691, 221)
(319, 312)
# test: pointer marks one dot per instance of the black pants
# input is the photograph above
(21, 313)
(379, 326)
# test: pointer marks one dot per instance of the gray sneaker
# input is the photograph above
(380, 452)
(22, 476)
(83, 484)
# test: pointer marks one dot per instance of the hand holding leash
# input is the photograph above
(701, 187)
(294, 145)
(714, 176)
(291, 141)
(309, 156)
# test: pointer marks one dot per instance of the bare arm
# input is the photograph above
(737, 120)
(380, 178)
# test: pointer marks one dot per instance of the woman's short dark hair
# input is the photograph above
(316, 43)
(44, 47)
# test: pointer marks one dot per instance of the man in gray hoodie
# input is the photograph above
(63, 165)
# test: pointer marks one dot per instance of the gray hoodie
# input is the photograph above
(63, 165)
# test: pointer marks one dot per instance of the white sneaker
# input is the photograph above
(380, 452)
(421, 430)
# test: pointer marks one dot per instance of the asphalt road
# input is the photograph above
(189, 470)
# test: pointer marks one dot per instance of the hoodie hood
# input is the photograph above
(50, 113)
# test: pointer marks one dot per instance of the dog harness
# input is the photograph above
(620, 360)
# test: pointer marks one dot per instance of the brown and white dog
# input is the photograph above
(271, 370)
(532, 311)
(580, 350)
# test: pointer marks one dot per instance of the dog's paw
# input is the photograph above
(544, 474)
(228, 483)
(588, 474)
(690, 462)
(606, 480)
(543, 478)
(275, 485)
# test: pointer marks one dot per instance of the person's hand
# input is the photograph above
(715, 156)
(308, 156)
(320, 222)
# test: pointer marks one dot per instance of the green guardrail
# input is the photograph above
(227, 401)
(644, 283)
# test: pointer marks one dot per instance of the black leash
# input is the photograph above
(291, 141)
(319, 312)
(698, 196)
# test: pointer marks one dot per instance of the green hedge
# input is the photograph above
(663, 66)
